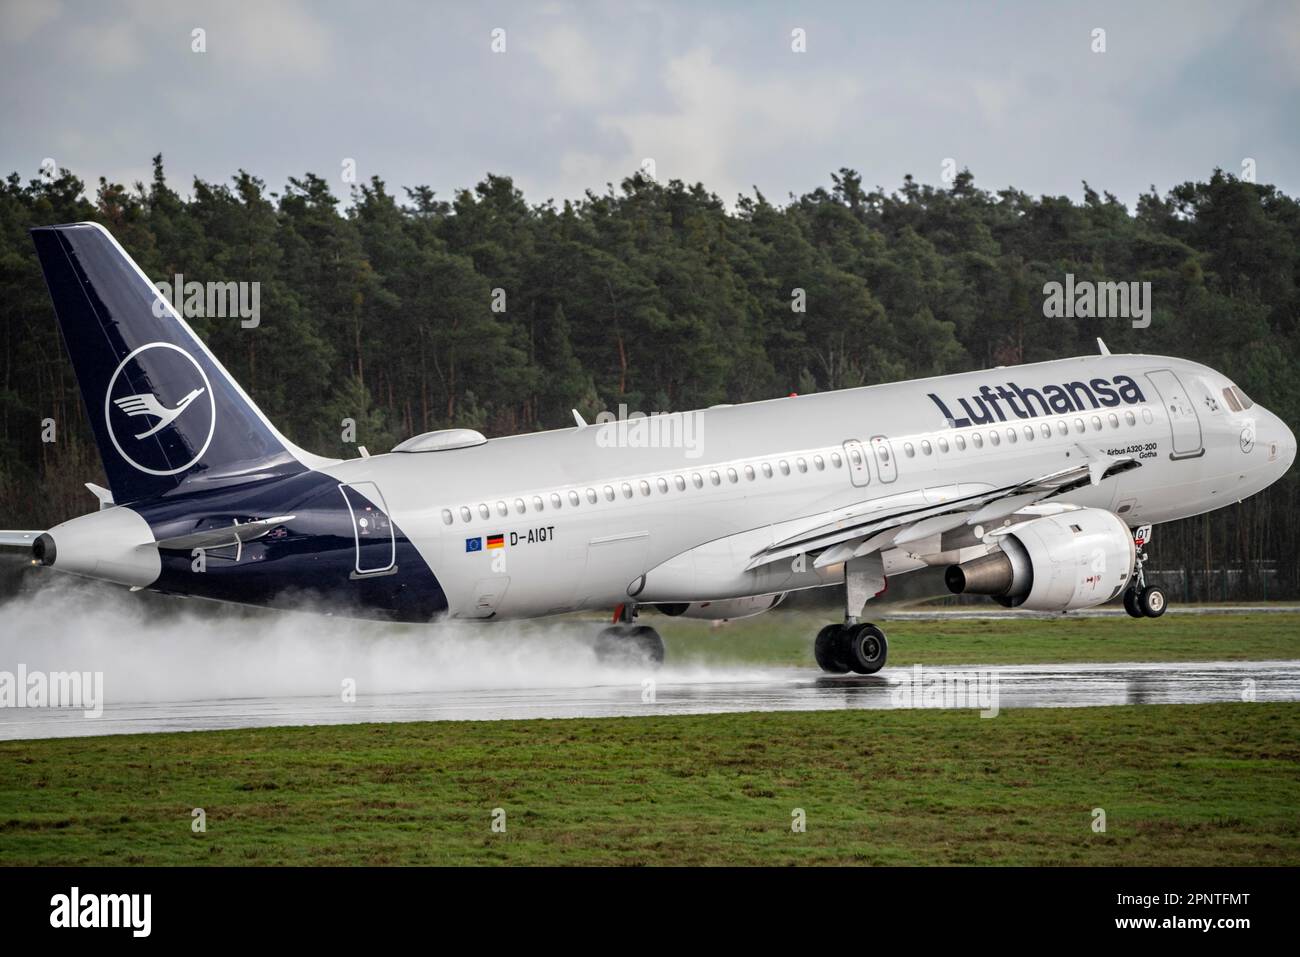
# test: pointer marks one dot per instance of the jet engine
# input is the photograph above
(720, 610)
(1075, 559)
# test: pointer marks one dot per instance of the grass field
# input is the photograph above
(1203, 784)
(786, 638)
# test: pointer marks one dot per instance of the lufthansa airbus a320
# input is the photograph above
(1036, 485)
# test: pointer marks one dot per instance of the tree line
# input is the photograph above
(404, 311)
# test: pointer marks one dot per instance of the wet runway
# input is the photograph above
(981, 688)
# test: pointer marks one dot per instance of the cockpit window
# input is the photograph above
(1242, 398)
(1231, 399)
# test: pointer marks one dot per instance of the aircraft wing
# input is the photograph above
(224, 534)
(17, 539)
(893, 522)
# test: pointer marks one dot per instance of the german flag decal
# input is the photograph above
(496, 541)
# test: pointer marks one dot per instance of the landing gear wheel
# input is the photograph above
(630, 646)
(865, 648)
(1152, 601)
(826, 649)
(1131, 604)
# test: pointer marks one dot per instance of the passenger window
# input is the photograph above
(1011, 436)
(1130, 418)
(908, 450)
(943, 445)
(819, 463)
(697, 480)
(465, 514)
(801, 465)
(994, 438)
(977, 440)
(926, 447)
(447, 516)
(680, 483)
(961, 442)
(663, 485)
(502, 510)
(767, 470)
(1114, 420)
(1078, 425)
(785, 467)
(609, 493)
(645, 487)
(573, 499)
(484, 511)
(537, 504)
(1061, 427)
(627, 490)
(591, 496)
(836, 460)
(1096, 423)
(749, 472)
(715, 478)
(520, 507)
(1046, 430)
(1029, 433)
(555, 499)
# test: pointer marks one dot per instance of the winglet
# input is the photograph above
(577, 417)
(1102, 346)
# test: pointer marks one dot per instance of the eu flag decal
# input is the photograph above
(473, 544)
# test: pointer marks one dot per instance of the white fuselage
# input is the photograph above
(594, 516)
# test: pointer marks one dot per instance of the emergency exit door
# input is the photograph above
(856, 456)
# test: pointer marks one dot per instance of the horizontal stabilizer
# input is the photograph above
(224, 534)
(17, 539)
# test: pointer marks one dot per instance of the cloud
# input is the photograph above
(20, 20)
(581, 72)
(722, 123)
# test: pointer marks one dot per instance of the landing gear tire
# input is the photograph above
(865, 648)
(826, 649)
(1131, 603)
(1152, 601)
(630, 646)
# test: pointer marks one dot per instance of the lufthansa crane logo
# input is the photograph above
(159, 409)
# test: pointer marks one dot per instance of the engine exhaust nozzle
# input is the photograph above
(993, 574)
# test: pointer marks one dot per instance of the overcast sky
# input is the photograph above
(584, 92)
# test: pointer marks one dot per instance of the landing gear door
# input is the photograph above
(376, 547)
(1183, 420)
(884, 454)
(856, 456)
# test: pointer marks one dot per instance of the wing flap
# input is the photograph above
(867, 527)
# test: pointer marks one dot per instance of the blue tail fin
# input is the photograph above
(164, 411)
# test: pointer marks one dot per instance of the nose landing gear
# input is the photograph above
(1140, 599)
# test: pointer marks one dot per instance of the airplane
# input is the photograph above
(1036, 485)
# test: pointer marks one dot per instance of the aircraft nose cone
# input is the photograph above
(1286, 446)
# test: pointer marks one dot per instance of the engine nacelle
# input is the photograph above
(1076, 559)
(726, 609)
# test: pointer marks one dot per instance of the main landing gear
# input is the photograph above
(627, 644)
(1140, 599)
(856, 646)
